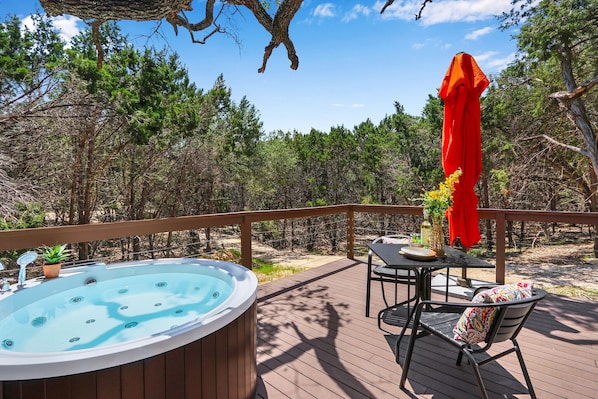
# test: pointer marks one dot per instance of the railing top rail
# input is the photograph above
(32, 238)
(36, 237)
(540, 216)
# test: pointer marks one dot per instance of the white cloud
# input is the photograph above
(485, 57)
(490, 62)
(27, 23)
(65, 26)
(324, 10)
(498, 64)
(433, 43)
(357, 11)
(445, 11)
(478, 33)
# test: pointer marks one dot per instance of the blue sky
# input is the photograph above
(354, 63)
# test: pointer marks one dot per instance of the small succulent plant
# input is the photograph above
(56, 254)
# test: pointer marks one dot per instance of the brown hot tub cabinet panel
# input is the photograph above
(220, 365)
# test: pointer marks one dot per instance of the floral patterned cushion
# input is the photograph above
(474, 323)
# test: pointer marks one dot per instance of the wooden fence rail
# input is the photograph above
(33, 238)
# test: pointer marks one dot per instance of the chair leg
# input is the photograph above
(446, 292)
(408, 293)
(368, 289)
(476, 372)
(408, 356)
(367, 297)
(383, 293)
(459, 357)
(528, 380)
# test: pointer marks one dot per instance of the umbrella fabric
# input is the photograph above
(461, 89)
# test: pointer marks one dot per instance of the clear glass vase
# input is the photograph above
(437, 238)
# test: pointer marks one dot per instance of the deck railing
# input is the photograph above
(36, 237)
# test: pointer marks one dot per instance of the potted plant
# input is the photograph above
(53, 258)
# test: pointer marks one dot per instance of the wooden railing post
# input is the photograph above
(500, 247)
(350, 234)
(246, 255)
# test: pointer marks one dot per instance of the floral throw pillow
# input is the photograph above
(475, 322)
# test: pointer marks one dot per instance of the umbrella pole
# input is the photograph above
(464, 281)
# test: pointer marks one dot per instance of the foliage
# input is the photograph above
(26, 56)
(56, 254)
(25, 216)
(436, 202)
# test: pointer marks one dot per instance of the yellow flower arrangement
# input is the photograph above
(436, 202)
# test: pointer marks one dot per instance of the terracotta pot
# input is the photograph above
(52, 271)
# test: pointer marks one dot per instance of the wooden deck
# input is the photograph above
(315, 342)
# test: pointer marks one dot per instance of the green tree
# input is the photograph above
(28, 87)
(562, 35)
(278, 176)
(417, 148)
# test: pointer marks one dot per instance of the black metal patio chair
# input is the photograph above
(440, 318)
(385, 274)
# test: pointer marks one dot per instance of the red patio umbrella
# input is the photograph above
(461, 89)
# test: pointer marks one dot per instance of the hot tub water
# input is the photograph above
(112, 311)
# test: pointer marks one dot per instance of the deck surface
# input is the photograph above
(314, 341)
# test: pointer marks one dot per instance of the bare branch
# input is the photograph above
(562, 96)
(419, 14)
(181, 20)
(388, 3)
(567, 146)
(95, 37)
(280, 32)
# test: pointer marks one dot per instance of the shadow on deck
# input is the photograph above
(315, 342)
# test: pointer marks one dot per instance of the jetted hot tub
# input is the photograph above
(185, 327)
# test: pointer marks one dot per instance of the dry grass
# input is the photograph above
(567, 269)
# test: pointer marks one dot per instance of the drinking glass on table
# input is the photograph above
(415, 240)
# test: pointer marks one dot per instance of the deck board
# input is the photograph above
(314, 341)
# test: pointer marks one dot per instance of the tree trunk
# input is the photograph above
(486, 204)
(594, 208)
(576, 110)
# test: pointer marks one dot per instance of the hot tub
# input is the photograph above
(184, 327)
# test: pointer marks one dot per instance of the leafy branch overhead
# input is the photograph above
(174, 11)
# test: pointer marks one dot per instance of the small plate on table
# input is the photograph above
(418, 253)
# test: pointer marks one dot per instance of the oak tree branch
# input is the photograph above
(97, 12)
